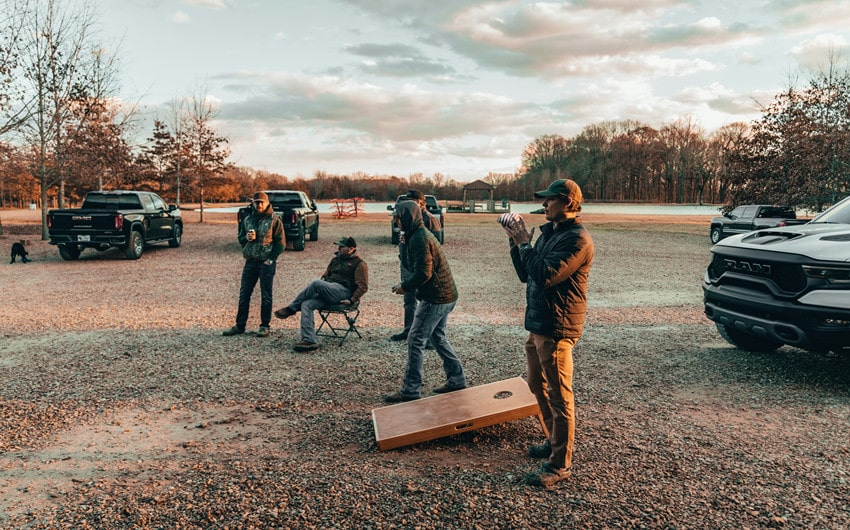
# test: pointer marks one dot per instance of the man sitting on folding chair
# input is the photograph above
(345, 281)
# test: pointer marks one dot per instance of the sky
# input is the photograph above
(457, 87)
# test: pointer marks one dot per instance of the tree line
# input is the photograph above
(64, 132)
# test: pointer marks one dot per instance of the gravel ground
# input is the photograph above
(122, 406)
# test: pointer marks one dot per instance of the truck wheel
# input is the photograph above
(746, 341)
(300, 240)
(135, 246)
(440, 236)
(176, 236)
(69, 252)
(395, 237)
(716, 234)
(314, 232)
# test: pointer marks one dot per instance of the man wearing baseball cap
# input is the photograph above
(261, 235)
(555, 270)
(345, 281)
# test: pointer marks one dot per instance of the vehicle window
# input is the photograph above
(279, 201)
(748, 211)
(158, 203)
(431, 201)
(736, 213)
(840, 213)
(777, 212)
(147, 202)
(112, 202)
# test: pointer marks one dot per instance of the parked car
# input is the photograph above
(299, 214)
(431, 204)
(749, 217)
(125, 219)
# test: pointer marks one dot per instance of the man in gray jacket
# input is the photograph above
(555, 271)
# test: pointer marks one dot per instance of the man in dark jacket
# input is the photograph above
(431, 279)
(433, 224)
(345, 281)
(556, 271)
(260, 233)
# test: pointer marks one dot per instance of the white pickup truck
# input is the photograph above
(785, 285)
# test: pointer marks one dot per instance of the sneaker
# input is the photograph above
(284, 312)
(547, 476)
(235, 330)
(398, 397)
(445, 389)
(543, 450)
(306, 346)
(262, 332)
(398, 337)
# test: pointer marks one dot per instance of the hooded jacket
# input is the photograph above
(430, 275)
(555, 272)
(270, 238)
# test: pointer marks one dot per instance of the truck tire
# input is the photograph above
(135, 245)
(69, 252)
(440, 236)
(300, 240)
(395, 238)
(746, 341)
(716, 234)
(314, 232)
(176, 236)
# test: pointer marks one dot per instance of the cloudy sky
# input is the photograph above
(456, 86)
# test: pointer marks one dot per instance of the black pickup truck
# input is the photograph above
(749, 217)
(299, 214)
(128, 220)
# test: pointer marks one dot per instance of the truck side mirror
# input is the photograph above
(172, 207)
(390, 207)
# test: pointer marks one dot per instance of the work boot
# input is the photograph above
(235, 330)
(547, 476)
(262, 332)
(445, 389)
(398, 337)
(305, 346)
(398, 397)
(284, 312)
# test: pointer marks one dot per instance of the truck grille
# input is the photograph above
(788, 277)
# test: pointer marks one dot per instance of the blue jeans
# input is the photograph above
(429, 321)
(550, 379)
(252, 272)
(316, 295)
(409, 301)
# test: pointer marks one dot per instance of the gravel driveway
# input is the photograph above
(122, 406)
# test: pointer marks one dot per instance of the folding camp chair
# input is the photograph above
(348, 312)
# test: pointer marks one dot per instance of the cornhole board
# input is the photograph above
(447, 414)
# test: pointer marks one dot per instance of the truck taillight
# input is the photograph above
(119, 221)
(294, 218)
(49, 221)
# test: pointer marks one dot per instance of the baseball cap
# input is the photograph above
(415, 195)
(347, 242)
(564, 188)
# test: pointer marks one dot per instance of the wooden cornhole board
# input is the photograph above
(446, 414)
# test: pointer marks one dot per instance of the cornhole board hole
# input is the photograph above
(447, 414)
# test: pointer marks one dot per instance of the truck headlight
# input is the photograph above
(837, 275)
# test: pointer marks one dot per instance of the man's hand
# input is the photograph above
(517, 232)
(397, 289)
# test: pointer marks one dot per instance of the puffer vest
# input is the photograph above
(259, 249)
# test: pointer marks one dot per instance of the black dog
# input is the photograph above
(18, 249)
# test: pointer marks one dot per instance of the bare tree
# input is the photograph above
(207, 151)
(59, 62)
